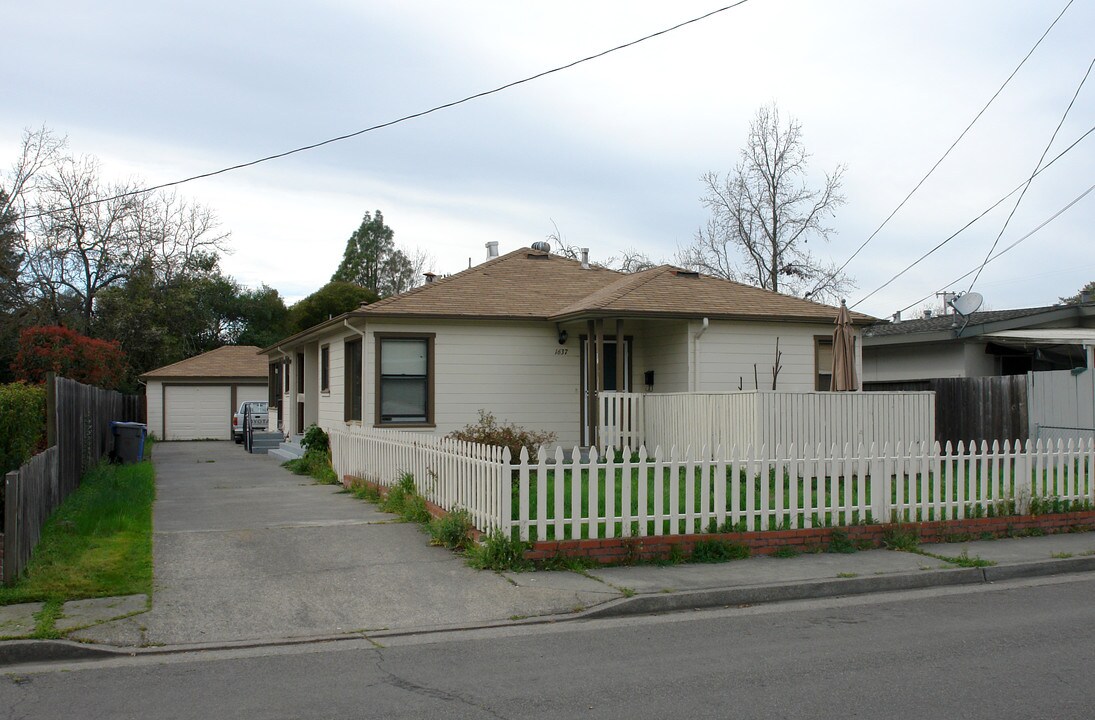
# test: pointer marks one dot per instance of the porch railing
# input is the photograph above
(755, 418)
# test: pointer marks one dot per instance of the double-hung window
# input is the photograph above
(823, 362)
(404, 379)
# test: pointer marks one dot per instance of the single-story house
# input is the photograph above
(531, 337)
(990, 343)
(194, 399)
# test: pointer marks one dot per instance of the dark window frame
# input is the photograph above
(819, 341)
(325, 368)
(431, 378)
(352, 402)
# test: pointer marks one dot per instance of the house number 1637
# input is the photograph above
(561, 351)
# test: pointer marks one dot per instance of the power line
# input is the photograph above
(948, 152)
(1035, 172)
(1053, 217)
(405, 118)
(962, 229)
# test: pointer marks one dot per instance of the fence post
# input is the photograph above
(11, 531)
(51, 409)
(880, 492)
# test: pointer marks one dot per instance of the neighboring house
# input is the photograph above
(517, 336)
(1000, 342)
(194, 399)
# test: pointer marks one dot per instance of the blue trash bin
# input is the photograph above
(129, 441)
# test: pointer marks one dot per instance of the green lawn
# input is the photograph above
(97, 544)
(768, 504)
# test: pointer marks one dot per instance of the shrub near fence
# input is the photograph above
(671, 494)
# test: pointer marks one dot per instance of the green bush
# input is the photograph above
(22, 424)
(452, 531)
(498, 551)
(488, 431)
(316, 440)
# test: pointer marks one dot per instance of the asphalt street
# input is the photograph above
(1014, 649)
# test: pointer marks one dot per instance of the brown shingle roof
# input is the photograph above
(531, 284)
(227, 361)
(522, 284)
(667, 290)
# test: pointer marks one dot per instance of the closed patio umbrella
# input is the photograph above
(844, 378)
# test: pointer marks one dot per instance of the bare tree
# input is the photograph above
(764, 213)
(78, 235)
(630, 260)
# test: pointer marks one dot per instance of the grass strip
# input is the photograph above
(97, 544)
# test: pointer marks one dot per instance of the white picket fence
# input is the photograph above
(556, 498)
(770, 418)
(449, 473)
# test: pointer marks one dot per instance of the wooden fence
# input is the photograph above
(565, 495)
(79, 436)
(755, 418)
(981, 409)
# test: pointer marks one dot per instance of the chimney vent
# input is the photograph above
(492, 249)
(585, 258)
(430, 277)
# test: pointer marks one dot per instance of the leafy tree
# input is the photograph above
(764, 213)
(372, 260)
(1087, 290)
(263, 315)
(331, 300)
(68, 353)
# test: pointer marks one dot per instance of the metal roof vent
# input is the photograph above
(686, 273)
(541, 246)
(492, 249)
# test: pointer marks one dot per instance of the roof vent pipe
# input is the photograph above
(492, 249)
(585, 258)
(430, 277)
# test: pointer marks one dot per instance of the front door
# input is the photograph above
(611, 379)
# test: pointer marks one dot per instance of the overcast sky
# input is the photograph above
(611, 150)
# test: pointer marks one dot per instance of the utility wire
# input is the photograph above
(1055, 215)
(962, 229)
(948, 152)
(405, 118)
(1035, 172)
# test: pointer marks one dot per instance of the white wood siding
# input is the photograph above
(727, 351)
(154, 408)
(661, 346)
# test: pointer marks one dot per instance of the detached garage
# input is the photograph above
(194, 399)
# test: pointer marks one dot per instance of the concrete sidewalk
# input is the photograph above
(246, 552)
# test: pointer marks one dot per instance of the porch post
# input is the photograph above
(591, 383)
(600, 382)
(621, 382)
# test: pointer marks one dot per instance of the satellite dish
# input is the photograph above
(967, 303)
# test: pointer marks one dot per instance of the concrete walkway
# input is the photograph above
(247, 552)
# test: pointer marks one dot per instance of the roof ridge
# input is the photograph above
(448, 278)
(637, 281)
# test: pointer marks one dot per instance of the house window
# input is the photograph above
(285, 374)
(300, 372)
(352, 392)
(404, 379)
(325, 368)
(823, 363)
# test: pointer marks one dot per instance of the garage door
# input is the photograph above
(198, 412)
(251, 392)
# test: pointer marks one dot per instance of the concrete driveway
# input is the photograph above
(245, 550)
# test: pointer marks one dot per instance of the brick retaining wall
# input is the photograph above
(626, 550)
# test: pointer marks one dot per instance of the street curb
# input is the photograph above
(18, 652)
(755, 594)
(22, 652)
(1039, 568)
